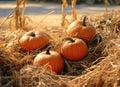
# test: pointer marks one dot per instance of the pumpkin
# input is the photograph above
(50, 57)
(74, 49)
(74, 28)
(82, 29)
(33, 40)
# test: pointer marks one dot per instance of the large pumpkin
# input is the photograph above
(33, 40)
(82, 29)
(74, 49)
(52, 58)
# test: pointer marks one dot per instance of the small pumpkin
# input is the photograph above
(82, 29)
(74, 28)
(33, 40)
(74, 49)
(50, 57)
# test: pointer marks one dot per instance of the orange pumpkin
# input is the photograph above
(52, 58)
(82, 29)
(74, 28)
(33, 40)
(74, 49)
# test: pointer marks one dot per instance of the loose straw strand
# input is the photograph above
(8, 16)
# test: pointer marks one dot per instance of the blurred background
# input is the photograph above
(38, 9)
(90, 2)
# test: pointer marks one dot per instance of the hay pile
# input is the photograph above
(101, 68)
(105, 73)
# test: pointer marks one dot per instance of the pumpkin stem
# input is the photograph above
(69, 39)
(84, 21)
(48, 50)
(32, 34)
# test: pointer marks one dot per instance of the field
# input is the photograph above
(100, 67)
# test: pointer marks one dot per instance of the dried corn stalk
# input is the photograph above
(23, 15)
(20, 18)
(64, 4)
(17, 13)
(18, 21)
(74, 13)
(74, 10)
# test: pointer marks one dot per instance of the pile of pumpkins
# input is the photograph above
(74, 47)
